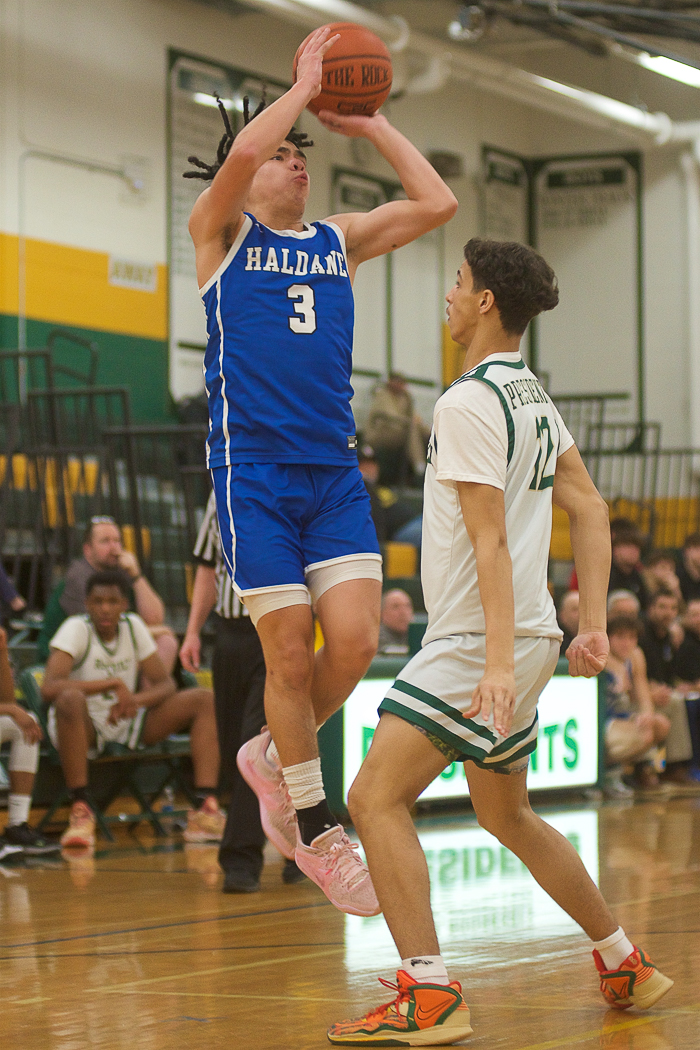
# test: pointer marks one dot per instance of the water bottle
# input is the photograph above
(167, 808)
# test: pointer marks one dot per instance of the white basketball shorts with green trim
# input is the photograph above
(436, 685)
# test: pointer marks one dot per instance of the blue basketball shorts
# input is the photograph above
(278, 521)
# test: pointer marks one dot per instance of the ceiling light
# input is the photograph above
(667, 67)
(469, 25)
(209, 100)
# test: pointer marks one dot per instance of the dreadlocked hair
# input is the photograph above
(208, 171)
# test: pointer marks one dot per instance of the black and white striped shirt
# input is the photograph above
(207, 551)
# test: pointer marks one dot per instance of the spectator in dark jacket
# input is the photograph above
(10, 600)
(625, 571)
(660, 640)
(688, 671)
(689, 568)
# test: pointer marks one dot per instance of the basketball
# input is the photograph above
(357, 73)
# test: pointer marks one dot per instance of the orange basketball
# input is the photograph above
(356, 77)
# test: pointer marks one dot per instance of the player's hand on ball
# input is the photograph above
(494, 697)
(352, 126)
(588, 654)
(310, 61)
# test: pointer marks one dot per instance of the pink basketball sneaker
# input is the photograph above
(333, 863)
(277, 814)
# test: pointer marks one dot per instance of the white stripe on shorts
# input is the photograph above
(436, 686)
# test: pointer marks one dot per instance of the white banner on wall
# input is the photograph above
(567, 746)
(586, 223)
(504, 197)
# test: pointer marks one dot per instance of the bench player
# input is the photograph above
(499, 455)
(293, 511)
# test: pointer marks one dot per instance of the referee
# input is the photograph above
(238, 670)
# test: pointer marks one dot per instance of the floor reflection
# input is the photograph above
(480, 890)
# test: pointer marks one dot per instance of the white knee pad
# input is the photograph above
(268, 599)
(24, 757)
(323, 575)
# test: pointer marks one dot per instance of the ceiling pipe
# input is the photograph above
(490, 74)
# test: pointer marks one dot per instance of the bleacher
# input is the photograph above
(68, 452)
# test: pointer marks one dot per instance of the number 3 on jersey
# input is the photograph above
(540, 479)
(305, 323)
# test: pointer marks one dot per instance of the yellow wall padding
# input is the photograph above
(70, 286)
(400, 559)
(452, 358)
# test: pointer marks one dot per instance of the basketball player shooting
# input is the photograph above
(293, 512)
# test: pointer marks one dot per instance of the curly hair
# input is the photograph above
(208, 171)
(523, 284)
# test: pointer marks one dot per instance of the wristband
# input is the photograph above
(135, 579)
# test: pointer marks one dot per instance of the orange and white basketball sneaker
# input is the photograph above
(636, 983)
(420, 1015)
(277, 814)
(205, 824)
(80, 833)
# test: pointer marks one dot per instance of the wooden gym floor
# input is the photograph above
(137, 948)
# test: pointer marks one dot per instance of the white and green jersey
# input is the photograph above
(494, 426)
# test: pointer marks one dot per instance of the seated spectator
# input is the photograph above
(659, 641)
(625, 571)
(397, 613)
(24, 733)
(390, 512)
(10, 600)
(395, 431)
(689, 567)
(632, 726)
(103, 550)
(411, 532)
(623, 603)
(369, 469)
(90, 683)
(567, 617)
(617, 524)
(659, 573)
(688, 671)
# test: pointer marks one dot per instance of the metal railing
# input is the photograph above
(582, 411)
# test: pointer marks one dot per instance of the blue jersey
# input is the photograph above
(278, 362)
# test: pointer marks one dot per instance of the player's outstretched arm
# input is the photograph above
(589, 525)
(430, 201)
(483, 510)
(220, 206)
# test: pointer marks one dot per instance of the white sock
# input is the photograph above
(18, 809)
(428, 969)
(614, 949)
(272, 755)
(304, 783)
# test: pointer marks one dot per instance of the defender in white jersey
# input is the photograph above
(499, 455)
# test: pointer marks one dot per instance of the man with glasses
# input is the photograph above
(103, 550)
